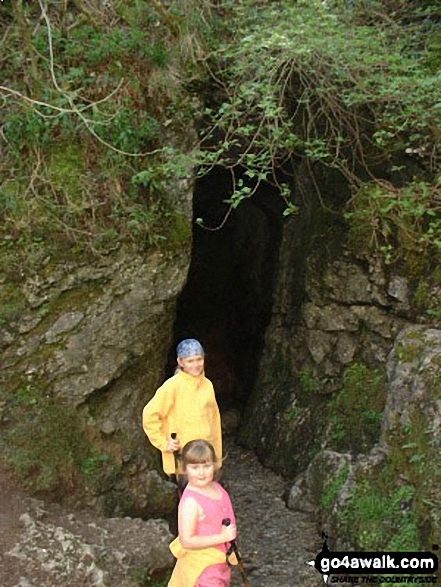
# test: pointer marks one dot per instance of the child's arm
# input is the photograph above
(153, 415)
(217, 430)
(188, 515)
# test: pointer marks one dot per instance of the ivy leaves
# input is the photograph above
(344, 84)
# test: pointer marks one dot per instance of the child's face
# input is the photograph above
(192, 365)
(200, 474)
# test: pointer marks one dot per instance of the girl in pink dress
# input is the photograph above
(203, 537)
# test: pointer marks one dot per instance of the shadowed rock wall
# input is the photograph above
(333, 307)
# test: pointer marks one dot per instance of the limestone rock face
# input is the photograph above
(414, 373)
(322, 472)
(95, 338)
(123, 326)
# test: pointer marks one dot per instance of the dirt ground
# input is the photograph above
(13, 503)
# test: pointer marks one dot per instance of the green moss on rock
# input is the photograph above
(378, 518)
(355, 413)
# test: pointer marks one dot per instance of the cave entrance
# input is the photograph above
(226, 303)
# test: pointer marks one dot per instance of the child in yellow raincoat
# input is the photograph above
(204, 537)
(185, 405)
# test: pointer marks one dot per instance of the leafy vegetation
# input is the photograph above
(377, 519)
(97, 101)
(82, 119)
(405, 224)
(393, 504)
(308, 382)
(11, 302)
(356, 410)
(347, 85)
(91, 120)
(333, 487)
(45, 442)
(415, 452)
(46, 445)
(427, 294)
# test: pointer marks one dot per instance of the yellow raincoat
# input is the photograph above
(191, 563)
(184, 404)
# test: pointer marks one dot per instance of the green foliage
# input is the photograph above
(377, 519)
(408, 353)
(46, 445)
(320, 54)
(404, 223)
(346, 85)
(65, 167)
(156, 177)
(87, 46)
(427, 295)
(308, 382)
(356, 410)
(295, 412)
(11, 301)
(71, 150)
(178, 231)
(25, 396)
(415, 455)
(342, 84)
(333, 488)
(90, 466)
(129, 129)
(395, 506)
(45, 442)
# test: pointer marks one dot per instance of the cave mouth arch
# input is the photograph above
(226, 302)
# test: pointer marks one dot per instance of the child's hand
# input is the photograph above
(173, 445)
(228, 533)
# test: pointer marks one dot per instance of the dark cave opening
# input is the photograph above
(226, 302)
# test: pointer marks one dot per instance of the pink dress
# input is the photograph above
(215, 510)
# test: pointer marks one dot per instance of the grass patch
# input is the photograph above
(376, 518)
(332, 489)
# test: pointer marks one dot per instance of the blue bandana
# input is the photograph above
(188, 348)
